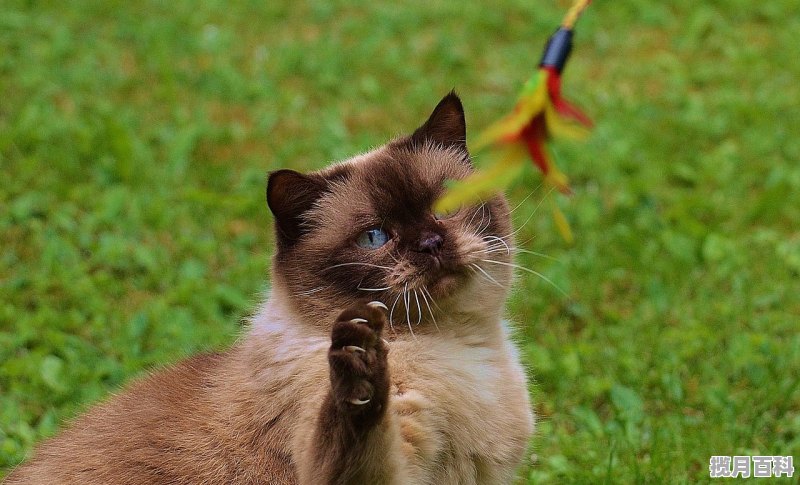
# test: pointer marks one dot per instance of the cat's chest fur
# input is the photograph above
(460, 404)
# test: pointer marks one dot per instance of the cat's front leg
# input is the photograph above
(354, 439)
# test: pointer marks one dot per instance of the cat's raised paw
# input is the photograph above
(357, 358)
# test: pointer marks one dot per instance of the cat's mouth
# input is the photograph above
(444, 279)
(446, 284)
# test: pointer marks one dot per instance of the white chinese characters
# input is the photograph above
(750, 466)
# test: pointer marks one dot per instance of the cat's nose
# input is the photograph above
(430, 242)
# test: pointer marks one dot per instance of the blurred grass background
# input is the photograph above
(135, 138)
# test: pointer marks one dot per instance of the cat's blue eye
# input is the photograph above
(372, 238)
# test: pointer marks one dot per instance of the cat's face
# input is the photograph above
(364, 229)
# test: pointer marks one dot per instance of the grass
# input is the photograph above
(135, 138)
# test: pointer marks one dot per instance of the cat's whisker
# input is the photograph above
(423, 290)
(391, 312)
(540, 275)
(419, 309)
(534, 253)
(432, 299)
(495, 238)
(492, 251)
(375, 289)
(522, 226)
(526, 198)
(474, 213)
(468, 225)
(483, 218)
(511, 234)
(497, 247)
(487, 275)
(502, 239)
(493, 246)
(500, 243)
(516, 247)
(488, 222)
(482, 207)
(369, 265)
(525, 242)
(535, 210)
(406, 302)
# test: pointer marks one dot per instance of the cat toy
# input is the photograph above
(540, 114)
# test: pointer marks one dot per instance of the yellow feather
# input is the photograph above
(485, 183)
(558, 127)
(528, 106)
(561, 224)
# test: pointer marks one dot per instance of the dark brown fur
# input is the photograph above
(342, 429)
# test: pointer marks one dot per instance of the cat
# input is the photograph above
(379, 357)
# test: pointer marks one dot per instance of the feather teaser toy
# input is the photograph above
(539, 114)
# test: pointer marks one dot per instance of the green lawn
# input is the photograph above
(135, 138)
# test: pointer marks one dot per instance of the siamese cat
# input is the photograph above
(379, 357)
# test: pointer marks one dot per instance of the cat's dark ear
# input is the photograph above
(289, 195)
(445, 126)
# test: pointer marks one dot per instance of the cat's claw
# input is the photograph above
(354, 348)
(359, 402)
(378, 304)
(358, 320)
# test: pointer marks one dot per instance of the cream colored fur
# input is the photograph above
(459, 411)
